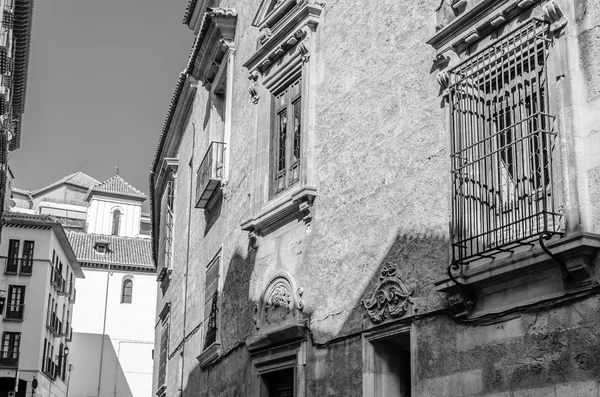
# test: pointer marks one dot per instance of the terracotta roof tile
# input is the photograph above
(126, 251)
(116, 185)
(78, 179)
(189, 10)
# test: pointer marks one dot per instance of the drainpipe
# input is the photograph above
(228, 105)
(103, 330)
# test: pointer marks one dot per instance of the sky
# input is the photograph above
(101, 77)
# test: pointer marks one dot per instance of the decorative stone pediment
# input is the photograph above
(214, 40)
(280, 304)
(390, 296)
(283, 26)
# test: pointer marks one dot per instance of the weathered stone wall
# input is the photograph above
(549, 352)
(382, 165)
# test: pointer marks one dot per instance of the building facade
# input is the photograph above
(37, 290)
(384, 198)
(15, 42)
(112, 320)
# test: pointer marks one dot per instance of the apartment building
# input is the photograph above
(15, 42)
(381, 198)
(37, 293)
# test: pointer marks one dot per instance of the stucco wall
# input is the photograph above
(129, 326)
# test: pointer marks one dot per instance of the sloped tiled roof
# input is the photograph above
(116, 185)
(77, 179)
(21, 191)
(121, 251)
(189, 10)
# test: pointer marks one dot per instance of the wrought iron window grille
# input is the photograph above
(503, 147)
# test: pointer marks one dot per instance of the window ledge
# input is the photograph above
(277, 337)
(209, 355)
(528, 276)
(280, 208)
(13, 320)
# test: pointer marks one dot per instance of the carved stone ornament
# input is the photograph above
(554, 15)
(280, 303)
(253, 89)
(390, 297)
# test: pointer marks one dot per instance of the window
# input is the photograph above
(283, 69)
(16, 302)
(286, 138)
(27, 260)
(116, 222)
(11, 345)
(12, 262)
(387, 364)
(127, 291)
(211, 301)
(169, 210)
(503, 146)
(164, 354)
(278, 383)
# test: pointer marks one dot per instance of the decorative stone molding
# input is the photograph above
(280, 304)
(390, 296)
(253, 89)
(215, 40)
(554, 15)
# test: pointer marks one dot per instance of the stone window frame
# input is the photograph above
(167, 175)
(212, 64)
(291, 355)
(479, 23)
(370, 355)
(287, 48)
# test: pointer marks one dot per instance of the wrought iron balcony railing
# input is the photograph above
(15, 312)
(9, 358)
(11, 265)
(210, 174)
(26, 266)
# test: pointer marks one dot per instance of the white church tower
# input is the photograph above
(115, 208)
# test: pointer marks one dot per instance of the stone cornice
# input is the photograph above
(278, 39)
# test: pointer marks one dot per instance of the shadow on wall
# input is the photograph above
(334, 360)
(84, 357)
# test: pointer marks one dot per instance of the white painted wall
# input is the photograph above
(100, 215)
(130, 326)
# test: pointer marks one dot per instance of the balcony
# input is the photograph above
(53, 324)
(65, 329)
(26, 266)
(65, 288)
(72, 295)
(69, 335)
(15, 312)
(57, 280)
(11, 265)
(50, 369)
(9, 358)
(210, 174)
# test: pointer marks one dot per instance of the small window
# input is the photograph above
(101, 247)
(116, 223)
(127, 292)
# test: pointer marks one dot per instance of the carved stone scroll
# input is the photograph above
(390, 297)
